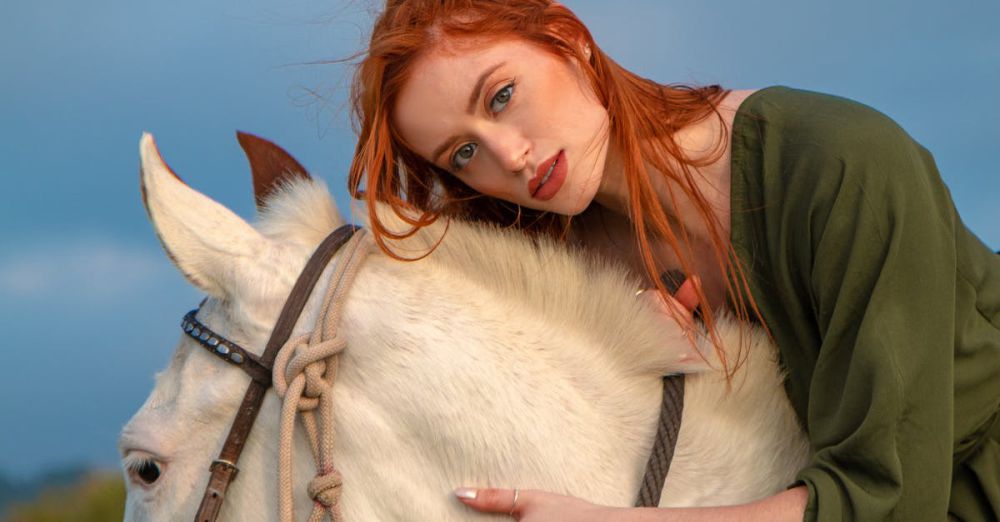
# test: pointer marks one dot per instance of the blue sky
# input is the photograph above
(89, 303)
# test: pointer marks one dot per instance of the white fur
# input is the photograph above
(495, 361)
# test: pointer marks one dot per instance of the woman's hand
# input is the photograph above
(680, 307)
(535, 506)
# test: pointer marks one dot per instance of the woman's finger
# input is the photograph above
(493, 500)
(671, 306)
(680, 307)
(687, 294)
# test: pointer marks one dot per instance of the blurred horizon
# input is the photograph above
(90, 303)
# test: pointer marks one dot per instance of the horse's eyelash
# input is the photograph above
(136, 462)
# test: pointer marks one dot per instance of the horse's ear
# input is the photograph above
(270, 164)
(213, 247)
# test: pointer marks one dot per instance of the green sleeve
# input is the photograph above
(880, 277)
(849, 235)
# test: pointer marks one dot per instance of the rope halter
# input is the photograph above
(303, 375)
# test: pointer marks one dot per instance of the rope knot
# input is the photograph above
(325, 488)
(303, 375)
(308, 368)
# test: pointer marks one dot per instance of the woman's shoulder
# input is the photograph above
(780, 100)
(800, 118)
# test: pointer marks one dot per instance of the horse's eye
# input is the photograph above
(149, 472)
(146, 471)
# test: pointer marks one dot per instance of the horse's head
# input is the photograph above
(247, 273)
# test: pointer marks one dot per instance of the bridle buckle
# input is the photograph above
(228, 466)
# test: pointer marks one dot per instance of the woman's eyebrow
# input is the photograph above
(474, 95)
(471, 109)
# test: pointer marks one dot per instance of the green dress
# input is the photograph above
(884, 306)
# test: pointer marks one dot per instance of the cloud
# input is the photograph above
(92, 269)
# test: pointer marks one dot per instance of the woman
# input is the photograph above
(817, 216)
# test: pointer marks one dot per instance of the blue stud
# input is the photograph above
(188, 327)
(213, 342)
(222, 349)
(204, 336)
(196, 332)
(236, 358)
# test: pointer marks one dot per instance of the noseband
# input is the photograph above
(224, 468)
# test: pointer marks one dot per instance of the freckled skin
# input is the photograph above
(550, 108)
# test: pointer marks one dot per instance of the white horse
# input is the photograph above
(495, 361)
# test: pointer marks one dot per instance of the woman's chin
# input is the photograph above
(573, 208)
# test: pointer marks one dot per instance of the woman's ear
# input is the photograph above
(582, 46)
(573, 37)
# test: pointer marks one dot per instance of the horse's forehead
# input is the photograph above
(196, 384)
(146, 427)
(234, 320)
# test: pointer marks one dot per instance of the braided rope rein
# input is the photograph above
(303, 374)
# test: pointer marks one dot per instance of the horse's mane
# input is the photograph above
(588, 295)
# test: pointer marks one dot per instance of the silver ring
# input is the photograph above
(513, 505)
(640, 291)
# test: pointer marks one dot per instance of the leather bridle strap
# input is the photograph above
(666, 439)
(671, 410)
(224, 468)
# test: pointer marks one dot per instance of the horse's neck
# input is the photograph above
(447, 383)
(484, 390)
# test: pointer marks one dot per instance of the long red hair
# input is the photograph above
(385, 170)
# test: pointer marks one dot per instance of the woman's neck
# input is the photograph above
(709, 138)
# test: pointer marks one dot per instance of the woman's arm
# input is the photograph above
(537, 506)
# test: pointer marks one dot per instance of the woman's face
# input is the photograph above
(509, 120)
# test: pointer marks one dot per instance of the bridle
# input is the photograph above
(224, 468)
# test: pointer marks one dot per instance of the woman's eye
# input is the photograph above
(463, 155)
(501, 98)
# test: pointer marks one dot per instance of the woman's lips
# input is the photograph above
(552, 181)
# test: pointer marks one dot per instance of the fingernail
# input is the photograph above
(466, 493)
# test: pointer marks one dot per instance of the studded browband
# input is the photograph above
(225, 349)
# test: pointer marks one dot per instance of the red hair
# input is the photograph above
(639, 109)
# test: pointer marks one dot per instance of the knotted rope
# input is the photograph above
(303, 374)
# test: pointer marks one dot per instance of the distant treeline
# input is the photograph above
(74, 494)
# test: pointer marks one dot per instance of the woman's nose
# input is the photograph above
(512, 150)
